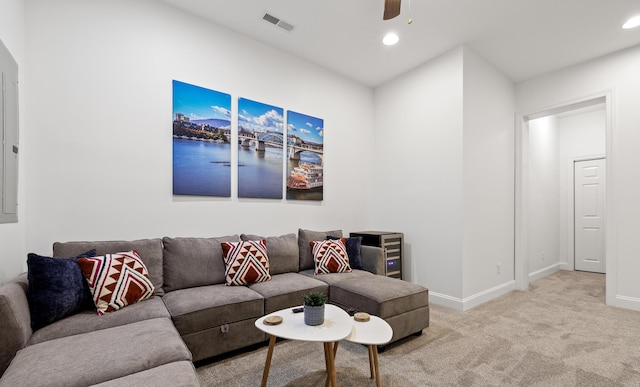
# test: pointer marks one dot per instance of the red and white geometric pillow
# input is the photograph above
(246, 262)
(116, 280)
(330, 256)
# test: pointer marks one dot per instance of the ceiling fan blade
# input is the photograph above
(391, 9)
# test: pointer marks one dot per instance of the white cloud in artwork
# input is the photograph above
(271, 120)
(222, 111)
(321, 133)
(305, 131)
(309, 124)
(274, 115)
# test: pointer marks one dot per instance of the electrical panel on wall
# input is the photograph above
(9, 132)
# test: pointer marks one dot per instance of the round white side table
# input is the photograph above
(371, 333)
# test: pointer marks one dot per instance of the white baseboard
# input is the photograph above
(445, 300)
(471, 301)
(628, 302)
(566, 266)
(488, 295)
(545, 271)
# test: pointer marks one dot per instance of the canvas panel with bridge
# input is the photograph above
(260, 150)
(305, 154)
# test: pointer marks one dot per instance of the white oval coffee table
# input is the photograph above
(337, 326)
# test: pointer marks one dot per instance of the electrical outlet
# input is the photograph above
(498, 269)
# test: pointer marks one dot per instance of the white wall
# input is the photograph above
(580, 134)
(99, 101)
(544, 196)
(488, 187)
(418, 170)
(444, 175)
(12, 235)
(616, 74)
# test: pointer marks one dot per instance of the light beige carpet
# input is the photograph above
(557, 333)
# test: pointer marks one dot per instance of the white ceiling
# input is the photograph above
(521, 38)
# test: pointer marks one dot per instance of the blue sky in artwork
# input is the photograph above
(260, 117)
(306, 127)
(199, 103)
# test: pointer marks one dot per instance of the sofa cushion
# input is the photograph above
(88, 321)
(96, 357)
(14, 319)
(286, 290)
(282, 250)
(116, 280)
(56, 288)
(200, 308)
(330, 256)
(190, 262)
(245, 262)
(178, 373)
(304, 249)
(150, 251)
(380, 296)
(353, 245)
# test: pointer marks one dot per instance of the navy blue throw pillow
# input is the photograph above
(353, 251)
(57, 288)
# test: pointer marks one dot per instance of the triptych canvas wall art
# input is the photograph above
(268, 147)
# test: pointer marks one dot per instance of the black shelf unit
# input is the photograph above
(393, 245)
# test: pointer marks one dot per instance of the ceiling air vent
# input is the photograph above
(275, 21)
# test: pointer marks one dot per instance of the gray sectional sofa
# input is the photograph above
(193, 315)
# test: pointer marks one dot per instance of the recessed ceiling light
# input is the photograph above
(632, 23)
(390, 39)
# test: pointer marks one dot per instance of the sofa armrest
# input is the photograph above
(373, 259)
(15, 319)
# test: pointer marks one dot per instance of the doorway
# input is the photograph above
(526, 212)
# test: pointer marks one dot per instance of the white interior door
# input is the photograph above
(589, 194)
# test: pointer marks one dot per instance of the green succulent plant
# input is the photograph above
(314, 299)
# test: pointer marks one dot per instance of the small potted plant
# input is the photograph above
(314, 308)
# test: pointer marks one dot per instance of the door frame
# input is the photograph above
(571, 199)
(521, 210)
